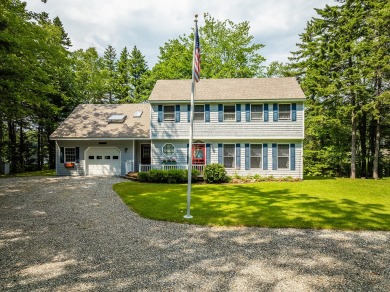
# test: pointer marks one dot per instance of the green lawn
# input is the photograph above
(314, 203)
(49, 172)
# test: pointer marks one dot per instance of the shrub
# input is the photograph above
(215, 173)
(157, 176)
(173, 176)
(143, 176)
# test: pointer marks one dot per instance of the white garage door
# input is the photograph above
(103, 161)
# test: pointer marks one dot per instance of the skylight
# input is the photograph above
(116, 118)
(137, 114)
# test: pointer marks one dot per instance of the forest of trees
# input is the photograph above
(342, 63)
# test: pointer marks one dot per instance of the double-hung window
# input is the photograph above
(199, 113)
(229, 155)
(169, 113)
(70, 154)
(256, 154)
(283, 156)
(229, 112)
(284, 112)
(256, 112)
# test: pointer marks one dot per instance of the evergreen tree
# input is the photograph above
(66, 42)
(335, 65)
(122, 86)
(110, 66)
(376, 45)
(139, 73)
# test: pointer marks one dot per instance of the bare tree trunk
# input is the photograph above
(372, 144)
(21, 147)
(39, 148)
(12, 153)
(1, 145)
(354, 124)
(363, 145)
(375, 168)
(353, 143)
(375, 172)
(51, 148)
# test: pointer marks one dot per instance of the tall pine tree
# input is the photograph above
(139, 73)
(122, 85)
(110, 67)
(335, 64)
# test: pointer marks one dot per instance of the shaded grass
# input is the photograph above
(48, 172)
(325, 204)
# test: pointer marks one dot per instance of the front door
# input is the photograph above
(198, 154)
(145, 154)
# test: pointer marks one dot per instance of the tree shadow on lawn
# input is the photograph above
(282, 208)
(318, 178)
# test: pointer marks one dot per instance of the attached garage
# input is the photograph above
(103, 161)
(101, 139)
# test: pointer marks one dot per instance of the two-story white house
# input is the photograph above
(251, 126)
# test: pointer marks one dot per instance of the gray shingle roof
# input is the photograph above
(91, 121)
(228, 89)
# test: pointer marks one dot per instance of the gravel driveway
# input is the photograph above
(75, 234)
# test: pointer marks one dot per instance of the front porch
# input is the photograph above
(130, 167)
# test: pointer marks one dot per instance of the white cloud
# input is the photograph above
(148, 24)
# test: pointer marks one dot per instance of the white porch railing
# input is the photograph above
(149, 167)
(173, 166)
(199, 167)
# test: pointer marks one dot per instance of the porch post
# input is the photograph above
(133, 156)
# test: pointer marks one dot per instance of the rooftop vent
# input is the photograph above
(137, 114)
(116, 118)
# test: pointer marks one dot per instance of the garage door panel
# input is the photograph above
(103, 161)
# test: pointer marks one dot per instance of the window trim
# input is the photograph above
(173, 113)
(204, 113)
(223, 111)
(173, 153)
(234, 155)
(262, 112)
(289, 156)
(261, 156)
(279, 111)
(65, 155)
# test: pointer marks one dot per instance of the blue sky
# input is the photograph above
(148, 24)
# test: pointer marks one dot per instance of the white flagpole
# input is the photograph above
(188, 215)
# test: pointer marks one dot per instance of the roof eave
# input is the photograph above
(97, 138)
(227, 100)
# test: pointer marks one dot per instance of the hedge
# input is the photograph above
(173, 176)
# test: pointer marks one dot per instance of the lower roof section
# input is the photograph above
(92, 121)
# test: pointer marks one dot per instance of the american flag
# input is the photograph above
(197, 56)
